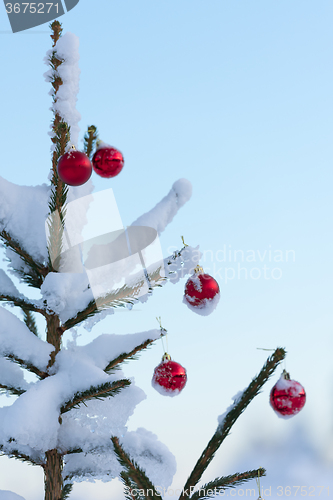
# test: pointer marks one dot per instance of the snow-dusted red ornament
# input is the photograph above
(287, 397)
(107, 161)
(169, 377)
(74, 167)
(202, 292)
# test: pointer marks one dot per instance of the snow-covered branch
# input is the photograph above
(19, 343)
(163, 213)
(227, 420)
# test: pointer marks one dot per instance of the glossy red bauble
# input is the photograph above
(202, 291)
(169, 377)
(108, 162)
(74, 168)
(287, 397)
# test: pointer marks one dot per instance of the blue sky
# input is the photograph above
(235, 96)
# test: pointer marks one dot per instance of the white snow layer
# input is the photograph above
(23, 210)
(11, 375)
(206, 306)
(17, 339)
(7, 287)
(67, 49)
(9, 495)
(163, 213)
(32, 420)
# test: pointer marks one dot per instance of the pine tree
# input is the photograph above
(86, 379)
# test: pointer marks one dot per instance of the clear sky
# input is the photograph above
(235, 96)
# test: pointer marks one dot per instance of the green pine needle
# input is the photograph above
(102, 391)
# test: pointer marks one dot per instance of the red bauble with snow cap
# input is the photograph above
(287, 397)
(202, 292)
(74, 167)
(107, 161)
(169, 377)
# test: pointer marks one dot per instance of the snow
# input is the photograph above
(144, 447)
(66, 293)
(9, 495)
(7, 287)
(67, 49)
(163, 213)
(236, 400)
(206, 306)
(178, 266)
(114, 259)
(12, 375)
(32, 420)
(163, 390)
(21, 208)
(17, 339)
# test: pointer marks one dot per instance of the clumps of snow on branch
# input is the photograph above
(236, 399)
(11, 375)
(21, 209)
(66, 294)
(163, 213)
(16, 339)
(67, 50)
(31, 423)
(181, 264)
(7, 287)
(144, 447)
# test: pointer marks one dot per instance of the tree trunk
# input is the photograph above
(52, 475)
(54, 460)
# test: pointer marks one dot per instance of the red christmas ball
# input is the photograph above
(108, 162)
(202, 291)
(169, 377)
(74, 168)
(287, 397)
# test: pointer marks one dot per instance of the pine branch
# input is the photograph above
(221, 483)
(66, 491)
(101, 391)
(237, 409)
(28, 366)
(134, 472)
(12, 390)
(129, 486)
(35, 276)
(126, 356)
(56, 31)
(90, 139)
(20, 456)
(118, 298)
(24, 304)
(60, 140)
(29, 320)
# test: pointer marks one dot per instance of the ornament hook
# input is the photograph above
(258, 484)
(185, 245)
(164, 332)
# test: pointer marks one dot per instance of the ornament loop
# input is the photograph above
(163, 332)
(258, 484)
(185, 245)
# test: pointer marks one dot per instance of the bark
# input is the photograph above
(54, 460)
(52, 475)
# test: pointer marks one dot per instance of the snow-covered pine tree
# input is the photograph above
(71, 420)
